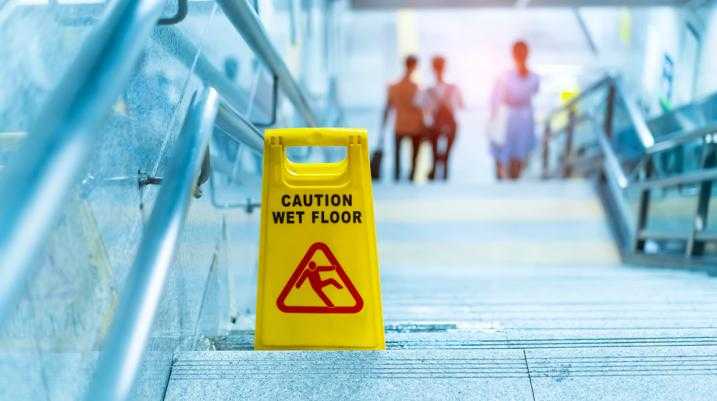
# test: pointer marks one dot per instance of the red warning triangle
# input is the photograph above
(308, 273)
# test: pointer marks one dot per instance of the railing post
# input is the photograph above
(644, 209)
(569, 133)
(609, 111)
(696, 247)
(547, 132)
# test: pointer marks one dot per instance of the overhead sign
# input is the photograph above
(318, 282)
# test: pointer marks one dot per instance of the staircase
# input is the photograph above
(504, 292)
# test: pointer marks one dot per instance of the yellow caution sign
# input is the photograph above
(318, 284)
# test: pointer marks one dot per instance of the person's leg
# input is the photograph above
(415, 147)
(496, 152)
(433, 137)
(320, 292)
(397, 156)
(450, 138)
(515, 168)
(499, 173)
(512, 169)
(331, 282)
(521, 167)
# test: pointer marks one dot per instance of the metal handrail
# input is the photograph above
(599, 84)
(243, 133)
(125, 342)
(692, 177)
(35, 184)
(247, 23)
(643, 178)
(638, 121)
(612, 163)
(616, 183)
(579, 119)
(681, 137)
(646, 137)
(240, 130)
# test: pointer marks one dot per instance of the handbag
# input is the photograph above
(497, 126)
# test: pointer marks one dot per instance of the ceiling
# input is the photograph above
(391, 4)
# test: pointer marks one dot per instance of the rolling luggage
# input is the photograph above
(376, 158)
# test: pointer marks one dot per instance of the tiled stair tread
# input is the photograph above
(441, 374)
(441, 363)
(450, 339)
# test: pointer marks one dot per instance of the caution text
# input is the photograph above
(317, 208)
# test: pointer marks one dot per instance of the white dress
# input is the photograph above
(515, 93)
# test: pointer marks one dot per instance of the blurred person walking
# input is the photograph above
(512, 120)
(408, 124)
(440, 103)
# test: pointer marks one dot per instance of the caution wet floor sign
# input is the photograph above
(318, 284)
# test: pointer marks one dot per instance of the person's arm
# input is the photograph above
(303, 277)
(460, 104)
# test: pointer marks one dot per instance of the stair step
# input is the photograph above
(491, 374)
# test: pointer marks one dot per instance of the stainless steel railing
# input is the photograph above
(216, 109)
(247, 23)
(125, 343)
(36, 181)
(34, 188)
(239, 129)
(34, 184)
(640, 176)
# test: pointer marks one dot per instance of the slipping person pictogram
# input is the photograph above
(313, 274)
(309, 270)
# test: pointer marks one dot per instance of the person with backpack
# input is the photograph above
(440, 103)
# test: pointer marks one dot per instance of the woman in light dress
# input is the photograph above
(511, 100)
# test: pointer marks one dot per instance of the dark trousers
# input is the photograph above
(448, 135)
(415, 145)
